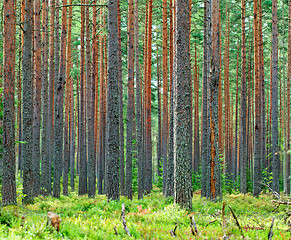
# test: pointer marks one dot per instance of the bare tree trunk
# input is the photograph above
(9, 166)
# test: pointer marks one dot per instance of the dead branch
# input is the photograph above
(115, 230)
(194, 229)
(213, 221)
(270, 234)
(173, 232)
(281, 202)
(236, 220)
(276, 195)
(123, 220)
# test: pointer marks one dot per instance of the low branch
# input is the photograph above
(123, 220)
(236, 220)
(270, 234)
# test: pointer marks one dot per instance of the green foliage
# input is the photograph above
(150, 218)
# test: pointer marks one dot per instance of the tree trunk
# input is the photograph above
(148, 138)
(45, 180)
(182, 109)
(130, 101)
(112, 134)
(37, 101)
(9, 166)
(82, 140)
(170, 164)
(243, 132)
(275, 149)
(165, 96)
(215, 185)
(257, 142)
(59, 98)
(50, 120)
(27, 110)
(121, 124)
(140, 158)
(159, 142)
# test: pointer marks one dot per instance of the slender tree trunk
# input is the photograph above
(130, 101)
(101, 160)
(9, 166)
(227, 103)
(112, 134)
(170, 164)
(51, 95)
(220, 117)
(82, 140)
(235, 152)
(138, 103)
(257, 142)
(275, 149)
(68, 110)
(165, 96)
(121, 124)
(90, 110)
(262, 80)
(27, 111)
(59, 98)
(205, 183)
(45, 180)
(243, 113)
(71, 100)
(196, 115)
(37, 100)
(159, 142)
(148, 139)
(215, 186)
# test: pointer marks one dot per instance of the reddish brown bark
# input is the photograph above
(148, 143)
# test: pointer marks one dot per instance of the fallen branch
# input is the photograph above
(123, 220)
(115, 230)
(173, 232)
(213, 221)
(281, 202)
(236, 220)
(276, 195)
(194, 229)
(270, 234)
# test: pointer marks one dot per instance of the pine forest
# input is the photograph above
(145, 119)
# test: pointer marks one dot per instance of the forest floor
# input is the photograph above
(153, 217)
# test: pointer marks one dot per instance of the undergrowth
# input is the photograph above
(150, 218)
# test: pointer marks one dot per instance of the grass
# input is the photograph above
(150, 218)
